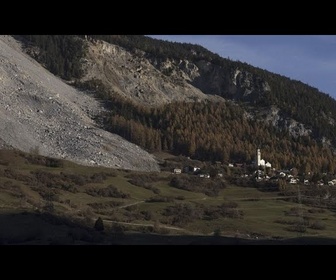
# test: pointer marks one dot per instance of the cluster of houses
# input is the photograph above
(291, 179)
(280, 174)
(259, 175)
(260, 166)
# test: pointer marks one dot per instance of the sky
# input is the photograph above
(310, 59)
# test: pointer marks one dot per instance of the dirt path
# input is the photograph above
(131, 204)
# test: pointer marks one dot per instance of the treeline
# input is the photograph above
(60, 54)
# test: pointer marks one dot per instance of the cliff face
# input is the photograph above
(39, 111)
(156, 81)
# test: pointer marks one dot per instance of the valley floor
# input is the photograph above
(45, 201)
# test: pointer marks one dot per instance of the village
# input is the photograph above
(259, 170)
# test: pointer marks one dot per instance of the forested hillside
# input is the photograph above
(203, 130)
(60, 54)
(215, 132)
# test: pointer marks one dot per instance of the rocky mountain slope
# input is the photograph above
(153, 81)
(139, 78)
(39, 112)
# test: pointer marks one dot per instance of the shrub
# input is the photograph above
(217, 232)
(297, 228)
(318, 225)
(53, 162)
(316, 210)
(227, 209)
(209, 187)
(98, 177)
(105, 205)
(286, 222)
(294, 211)
(99, 225)
(159, 198)
(110, 191)
(229, 204)
(182, 213)
(147, 215)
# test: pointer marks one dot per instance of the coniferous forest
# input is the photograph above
(60, 54)
(214, 132)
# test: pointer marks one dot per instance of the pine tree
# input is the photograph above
(99, 225)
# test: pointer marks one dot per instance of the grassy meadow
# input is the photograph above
(48, 201)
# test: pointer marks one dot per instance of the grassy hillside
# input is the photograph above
(48, 201)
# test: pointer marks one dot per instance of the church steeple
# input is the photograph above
(258, 157)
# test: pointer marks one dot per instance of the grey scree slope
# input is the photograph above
(38, 109)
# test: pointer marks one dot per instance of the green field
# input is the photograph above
(40, 204)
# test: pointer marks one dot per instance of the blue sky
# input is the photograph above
(307, 58)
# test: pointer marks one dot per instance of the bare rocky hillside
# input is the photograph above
(38, 111)
(138, 78)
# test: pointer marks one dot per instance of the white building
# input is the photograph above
(258, 157)
(293, 181)
(260, 161)
(177, 171)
